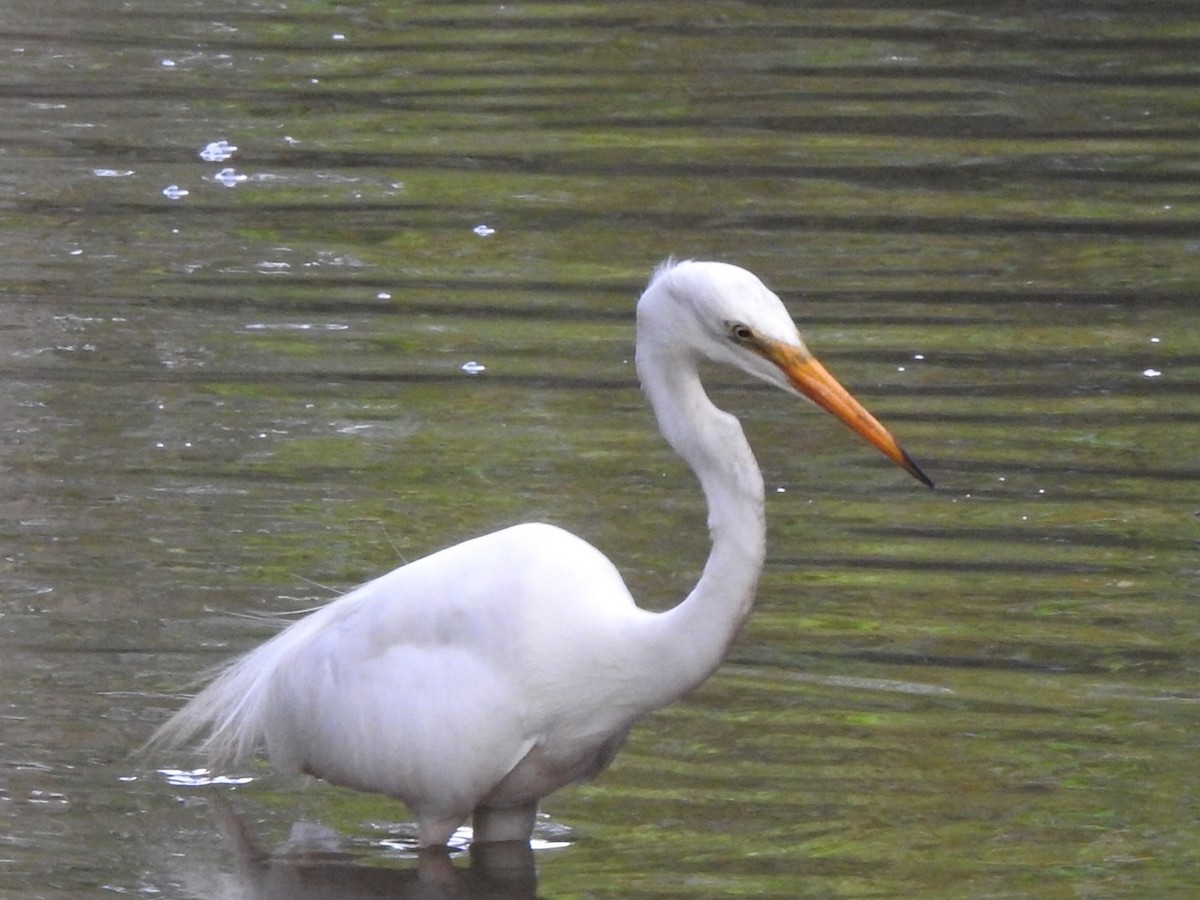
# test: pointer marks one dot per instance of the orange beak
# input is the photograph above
(812, 380)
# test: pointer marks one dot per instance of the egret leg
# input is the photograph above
(504, 823)
(435, 833)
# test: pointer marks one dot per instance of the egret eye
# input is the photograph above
(739, 332)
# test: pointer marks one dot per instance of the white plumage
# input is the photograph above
(477, 680)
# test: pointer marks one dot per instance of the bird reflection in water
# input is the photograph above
(314, 867)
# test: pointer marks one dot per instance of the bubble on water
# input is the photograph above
(200, 777)
(217, 151)
(229, 177)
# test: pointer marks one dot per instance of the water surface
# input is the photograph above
(249, 249)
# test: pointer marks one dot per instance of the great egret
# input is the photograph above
(475, 681)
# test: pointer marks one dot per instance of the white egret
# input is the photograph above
(475, 681)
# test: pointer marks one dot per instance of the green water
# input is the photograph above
(248, 398)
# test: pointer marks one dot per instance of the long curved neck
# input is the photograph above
(691, 639)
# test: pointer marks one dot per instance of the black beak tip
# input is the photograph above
(914, 470)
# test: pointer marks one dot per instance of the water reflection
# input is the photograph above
(312, 867)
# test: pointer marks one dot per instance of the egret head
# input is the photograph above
(713, 310)
(719, 312)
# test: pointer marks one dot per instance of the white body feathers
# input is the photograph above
(479, 679)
